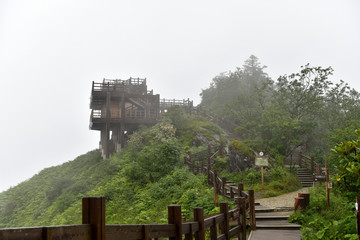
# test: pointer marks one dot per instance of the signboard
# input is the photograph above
(261, 161)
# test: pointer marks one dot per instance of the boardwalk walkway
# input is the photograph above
(272, 222)
(273, 225)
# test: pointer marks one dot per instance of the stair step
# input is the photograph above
(261, 209)
(270, 218)
(278, 227)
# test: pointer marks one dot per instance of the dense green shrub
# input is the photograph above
(138, 182)
(277, 180)
(347, 163)
(318, 222)
(242, 147)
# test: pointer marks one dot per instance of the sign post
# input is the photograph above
(327, 182)
(261, 161)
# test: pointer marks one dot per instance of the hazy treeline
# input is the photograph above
(303, 108)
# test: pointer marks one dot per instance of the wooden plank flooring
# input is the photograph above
(272, 225)
(263, 234)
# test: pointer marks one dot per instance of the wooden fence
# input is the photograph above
(202, 162)
(220, 226)
(310, 164)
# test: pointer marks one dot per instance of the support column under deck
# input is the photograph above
(105, 141)
(122, 137)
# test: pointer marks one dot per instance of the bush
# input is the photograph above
(347, 162)
(318, 222)
(241, 147)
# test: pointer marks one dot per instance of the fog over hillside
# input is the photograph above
(51, 51)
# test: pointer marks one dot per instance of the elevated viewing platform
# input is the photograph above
(119, 107)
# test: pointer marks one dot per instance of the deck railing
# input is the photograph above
(223, 225)
(118, 85)
(173, 102)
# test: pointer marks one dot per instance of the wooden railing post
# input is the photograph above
(242, 218)
(225, 227)
(240, 189)
(252, 209)
(216, 189)
(213, 230)
(174, 217)
(208, 167)
(306, 197)
(223, 186)
(318, 169)
(299, 203)
(199, 217)
(231, 192)
(312, 165)
(93, 213)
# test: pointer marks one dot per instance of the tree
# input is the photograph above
(241, 95)
(302, 94)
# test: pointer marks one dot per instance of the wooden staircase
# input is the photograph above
(305, 177)
(272, 225)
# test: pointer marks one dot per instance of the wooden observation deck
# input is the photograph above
(118, 107)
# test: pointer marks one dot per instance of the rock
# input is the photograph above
(239, 162)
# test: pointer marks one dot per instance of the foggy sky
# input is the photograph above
(51, 51)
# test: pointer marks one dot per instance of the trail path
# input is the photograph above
(283, 201)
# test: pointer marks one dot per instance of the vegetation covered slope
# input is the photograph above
(138, 183)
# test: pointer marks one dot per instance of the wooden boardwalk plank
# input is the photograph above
(263, 234)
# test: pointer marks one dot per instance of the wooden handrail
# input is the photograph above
(310, 164)
(95, 229)
(202, 163)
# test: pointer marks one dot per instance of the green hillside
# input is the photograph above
(138, 183)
